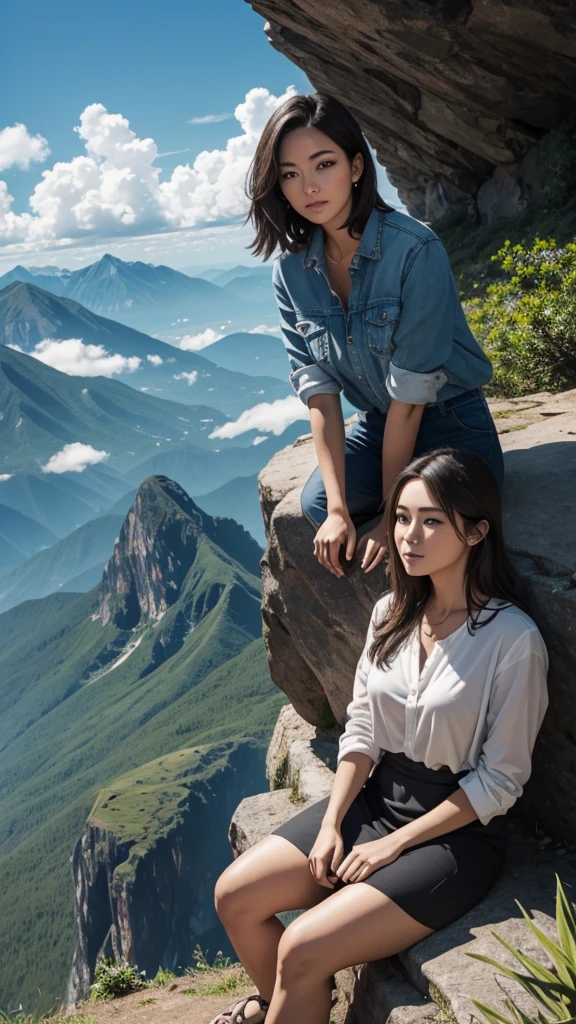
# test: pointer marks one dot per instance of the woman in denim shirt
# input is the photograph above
(369, 309)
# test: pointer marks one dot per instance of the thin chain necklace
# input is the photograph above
(455, 611)
(342, 258)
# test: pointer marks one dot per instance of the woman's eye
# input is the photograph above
(287, 174)
(432, 522)
(400, 518)
(326, 163)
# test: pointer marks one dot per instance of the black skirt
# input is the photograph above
(435, 882)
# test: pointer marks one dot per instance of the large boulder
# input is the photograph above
(315, 624)
(447, 92)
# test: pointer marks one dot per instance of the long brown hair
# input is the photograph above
(460, 482)
(277, 225)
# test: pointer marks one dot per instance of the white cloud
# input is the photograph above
(273, 417)
(115, 187)
(79, 360)
(195, 342)
(263, 329)
(5, 476)
(74, 458)
(259, 439)
(210, 119)
(155, 360)
(190, 377)
(19, 148)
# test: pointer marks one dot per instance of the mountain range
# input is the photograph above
(164, 654)
(44, 410)
(30, 315)
(155, 299)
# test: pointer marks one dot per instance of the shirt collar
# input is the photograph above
(369, 245)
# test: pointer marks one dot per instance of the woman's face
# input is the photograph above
(316, 175)
(425, 538)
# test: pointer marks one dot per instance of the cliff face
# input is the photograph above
(454, 95)
(156, 548)
(144, 893)
(315, 624)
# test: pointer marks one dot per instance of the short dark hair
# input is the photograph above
(276, 223)
(460, 482)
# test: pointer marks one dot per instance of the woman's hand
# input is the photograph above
(337, 529)
(367, 857)
(372, 546)
(325, 855)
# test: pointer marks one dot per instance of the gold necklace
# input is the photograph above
(455, 611)
(342, 258)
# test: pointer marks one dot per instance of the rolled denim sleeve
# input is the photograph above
(517, 707)
(425, 334)
(306, 376)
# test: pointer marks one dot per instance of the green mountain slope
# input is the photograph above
(164, 654)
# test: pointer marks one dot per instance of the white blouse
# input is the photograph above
(477, 704)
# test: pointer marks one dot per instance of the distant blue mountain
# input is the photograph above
(251, 353)
(158, 300)
(29, 314)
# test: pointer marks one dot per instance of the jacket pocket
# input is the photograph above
(380, 322)
(314, 330)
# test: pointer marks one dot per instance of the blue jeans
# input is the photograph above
(461, 422)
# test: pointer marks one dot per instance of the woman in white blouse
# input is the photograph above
(449, 695)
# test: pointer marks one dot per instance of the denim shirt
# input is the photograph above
(405, 335)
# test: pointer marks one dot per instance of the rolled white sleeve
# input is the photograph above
(358, 736)
(517, 706)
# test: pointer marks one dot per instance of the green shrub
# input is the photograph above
(113, 979)
(163, 977)
(201, 964)
(554, 991)
(527, 322)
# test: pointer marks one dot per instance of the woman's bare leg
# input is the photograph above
(273, 875)
(355, 925)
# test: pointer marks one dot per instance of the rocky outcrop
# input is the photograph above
(155, 551)
(144, 879)
(300, 766)
(455, 96)
(315, 624)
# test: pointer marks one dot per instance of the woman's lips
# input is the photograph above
(316, 206)
(410, 556)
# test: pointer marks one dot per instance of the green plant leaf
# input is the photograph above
(565, 922)
(563, 964)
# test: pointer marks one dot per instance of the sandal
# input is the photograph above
(236, 1013)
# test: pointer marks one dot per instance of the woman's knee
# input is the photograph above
(231, 893)
(299, 955)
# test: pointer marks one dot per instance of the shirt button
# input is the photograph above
(350, 339)
(360, 377)
(384, 316)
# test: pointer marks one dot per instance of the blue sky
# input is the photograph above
(159, 66)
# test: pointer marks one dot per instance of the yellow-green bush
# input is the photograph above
(527, 322)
